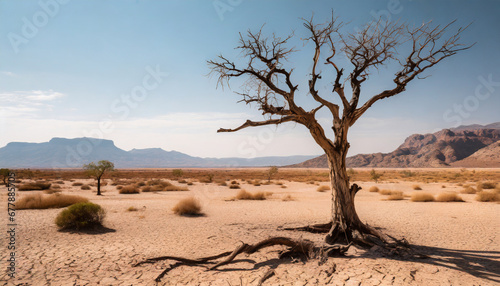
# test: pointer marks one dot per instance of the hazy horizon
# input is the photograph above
(69, 68)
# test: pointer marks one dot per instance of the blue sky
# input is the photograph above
(69, 68)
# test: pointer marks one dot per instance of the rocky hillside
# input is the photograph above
(448, 147)
(487, 157)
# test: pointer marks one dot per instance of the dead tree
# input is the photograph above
(269, 85)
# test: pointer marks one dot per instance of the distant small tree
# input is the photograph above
(375, 176)
(5, 174)
(273, 170)
(97, 171)
(177, 173)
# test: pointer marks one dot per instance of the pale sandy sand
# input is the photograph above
(463, 239)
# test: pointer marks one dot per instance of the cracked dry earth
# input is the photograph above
(462, 240)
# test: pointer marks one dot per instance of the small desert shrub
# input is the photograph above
(395, 196)
(39, 201)
(468, 190)
(422, 197)
(141, 184)
(443, 186)
(159, 183)
(283, 187)
(37, 186)
(132, 209)
(190, 183)
(157, 188)
(129, 190)
(173, 188)
(386, 192)
(288, 198)
(279, 183)
(52, 190)
(488, 196)
(177, 172)
(119, 187)
(77, 184)
(244, 195)
(323, 188)
(417, 188)
(374, 189)
(80, 216)
(182, 181)
(448, 197)
(188, 206)
(146, 189)
(234, 182)
(257, 184)
(234, 186)
(223, 184)
(54, 187)
(374, 175)
(486, 185)
(85, 187)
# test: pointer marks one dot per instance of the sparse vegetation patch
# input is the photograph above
(422, 197)
(39, 201)
(81, 216)
(188, 206)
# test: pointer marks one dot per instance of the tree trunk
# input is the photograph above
(99, 186)
(346, 225)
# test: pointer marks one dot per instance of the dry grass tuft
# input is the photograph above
(85, 187)
(244, 195)
(488, 196)
(422, 197)
(417, 187)
(39, 201)
(129, 190)
(448, 197)
(468, 190)
(52, 190)
(132, 209)
(389, 192)
(77, 184)
(487, 185)
(37, 186)
(323, 188)
(234, 186)
(396, 196)
(173, 188)
(373, 189)
(188, 206)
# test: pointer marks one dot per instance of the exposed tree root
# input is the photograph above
(304, 248)
(269, 273)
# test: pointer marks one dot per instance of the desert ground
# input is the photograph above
(459, 241)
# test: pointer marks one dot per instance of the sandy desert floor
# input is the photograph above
(462, 239)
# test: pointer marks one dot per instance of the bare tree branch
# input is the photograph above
(250, 123)
(426, 52)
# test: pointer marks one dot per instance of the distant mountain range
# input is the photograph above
(73, 153)
(464, 146)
